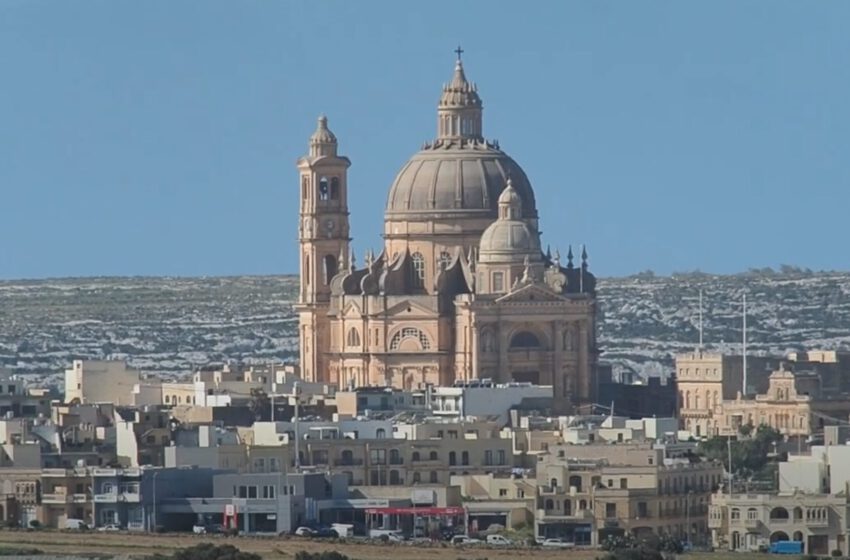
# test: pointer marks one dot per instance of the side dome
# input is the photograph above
(510, 239)
(458, 180)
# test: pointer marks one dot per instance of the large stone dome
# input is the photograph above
(457, 179)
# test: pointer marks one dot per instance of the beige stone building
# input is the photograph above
(462, 288)
(590, 492)
(792, 404)
(749, 521)
(100, 381)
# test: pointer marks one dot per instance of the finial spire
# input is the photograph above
(458, 52)
(570, 257)
(323, 141)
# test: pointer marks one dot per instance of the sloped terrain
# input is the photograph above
(169, 325)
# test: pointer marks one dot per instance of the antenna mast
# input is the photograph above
(744, 344)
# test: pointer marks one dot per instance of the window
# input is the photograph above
(330, 268)
(503, 492)
(444, 259)
(395, 457)
(252, 492)
(410, 332)
(415, 457)
(418, 271)
(353, 337)
(433, 456)
(324, 190)
(624, 483)
(736, 513)
(395, 479)
(417, 478)
(752, 514)
(434, 477)
(642, 510)
(378, 456)
(452, 458)
(488, 457)
(610, 510)
(464, 458)
(243, 491)
(498, 282)
(334, 188)
(268, 492)
(380, 433)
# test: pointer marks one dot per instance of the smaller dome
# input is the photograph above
(323, 135)
(509, 241)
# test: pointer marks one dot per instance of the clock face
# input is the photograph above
(330, 225)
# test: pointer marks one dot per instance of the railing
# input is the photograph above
(55, 498)
(348, 462)
(107, 497)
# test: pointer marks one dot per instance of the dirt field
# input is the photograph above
(123, 544)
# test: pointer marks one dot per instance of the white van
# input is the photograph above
(499, 540)
(76, 524)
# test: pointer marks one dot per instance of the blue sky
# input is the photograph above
(160, 137)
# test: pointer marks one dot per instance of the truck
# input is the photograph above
(786, 547)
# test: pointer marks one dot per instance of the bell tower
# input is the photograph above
(323, 236)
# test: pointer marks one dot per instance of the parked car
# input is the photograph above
(110, 527)
(317, 532)
(498, 540)
(77, 524)
(199, 529)
(305, 532)
(558, 543)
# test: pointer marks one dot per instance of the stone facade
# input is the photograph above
(461, 290)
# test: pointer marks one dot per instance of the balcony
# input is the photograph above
(56, 498)
(551, 490)
(348, 463)
(109, 497)
(131, 497)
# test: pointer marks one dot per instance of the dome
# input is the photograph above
(458, 175)
(509, 241)
(458, 180)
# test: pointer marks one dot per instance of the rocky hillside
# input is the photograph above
(169, 325)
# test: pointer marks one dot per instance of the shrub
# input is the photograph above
(209, 551)
(326, 555)
(836, 553)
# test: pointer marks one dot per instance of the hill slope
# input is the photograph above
(169, 325)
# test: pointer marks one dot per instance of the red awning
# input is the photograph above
(418, 511)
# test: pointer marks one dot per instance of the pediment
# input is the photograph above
(352, 310)
(531, 293)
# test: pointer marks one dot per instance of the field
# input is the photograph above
(124, 545)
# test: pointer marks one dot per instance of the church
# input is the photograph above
(462, 288)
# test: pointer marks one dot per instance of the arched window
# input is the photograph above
(779, 513)
(395, 479)
(380, 433)
(330, 268)
(334, 188)
(418, 279)
(417, 478)
(432, 456)
(525, 339)
(434, 479)
(464, 458)
(575, 481)
(568, 507)
(550, 505)
(415, 457)
(452, 458)
(409, 332)
(324, 190)
(353, 338)
(444, 259)
(167, 399)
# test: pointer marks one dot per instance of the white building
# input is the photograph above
(485, 399)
